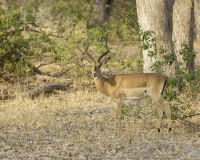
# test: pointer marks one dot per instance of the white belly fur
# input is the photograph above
(145, 95)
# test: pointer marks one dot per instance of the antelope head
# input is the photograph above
(96, 64)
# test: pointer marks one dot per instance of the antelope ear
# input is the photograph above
(86, 62)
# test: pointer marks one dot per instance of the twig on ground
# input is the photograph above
(188, 122)
(192, 115)
(177, 151)
(154, 147)
(44, 64)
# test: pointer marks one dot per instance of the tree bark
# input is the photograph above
(102, 10)
(171, 20)
(153, 16)
(183, 30)
(100, 16)
(197, 19)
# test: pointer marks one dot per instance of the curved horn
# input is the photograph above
(89, 55)
(107, 51)
(85, 52)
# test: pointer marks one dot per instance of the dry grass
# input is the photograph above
(80, 125)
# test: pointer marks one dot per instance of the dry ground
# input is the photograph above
(79, 124)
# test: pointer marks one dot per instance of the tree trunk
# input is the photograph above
(197, 19)
(183, 30)
(171, 20)
(102, 9)
(101, 14)
(154, 16)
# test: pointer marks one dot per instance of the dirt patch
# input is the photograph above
(80, 125)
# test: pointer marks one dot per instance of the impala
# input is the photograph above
(130, 87)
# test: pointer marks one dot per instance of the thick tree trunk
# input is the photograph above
(197, 19)
(153, 16)
(183, 30)
(102, 9)
(172, 20)
(100, 16)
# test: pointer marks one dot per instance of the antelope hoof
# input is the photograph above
(158, 130)
(170, 129)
